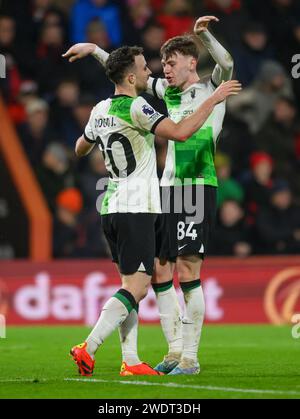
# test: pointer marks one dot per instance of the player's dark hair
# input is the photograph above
(185, 45)
(120, 62)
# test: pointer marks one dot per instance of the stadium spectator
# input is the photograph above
(157, 5)
(289, 38)
(66, 229)
(176, 18)
(81, 114)
(28, 91)
(237, 142)
(229, 188)
(37, 131)
(255, 103)
(55, 17)
(62, 105)
(90, 73)
(54, 173)
(251, 52)
(88, 180)
(95, 244)
(278, 224)
(39, 11)
(232, 235)
(277, 14)
(10, 84)
(258, 183)
(84, 11)
(137, 15)
(30, 18)
(278, 137)
(51, 68)
(97, 34)
(153, 38)
(233, 17)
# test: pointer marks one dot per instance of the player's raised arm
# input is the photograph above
(81, 50)
(223, 69)
(184, 129)
(155, 87)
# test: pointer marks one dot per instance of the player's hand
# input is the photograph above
(227, 88)
(78, 51)
(201, 24)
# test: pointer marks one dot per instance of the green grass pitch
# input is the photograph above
(236, 362)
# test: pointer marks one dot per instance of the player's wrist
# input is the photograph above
(95, 50)
(213, 100)
(100, 54)
(204, 35)
(200, 32)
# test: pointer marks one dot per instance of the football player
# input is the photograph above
(122, 126)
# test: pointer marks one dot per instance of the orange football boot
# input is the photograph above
(139, 369)
(83, 359)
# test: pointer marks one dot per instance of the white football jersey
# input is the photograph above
(123, 127)
(191, 161)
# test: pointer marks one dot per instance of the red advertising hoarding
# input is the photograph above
(254, 290)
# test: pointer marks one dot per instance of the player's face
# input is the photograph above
(177, 68)
(142, 74)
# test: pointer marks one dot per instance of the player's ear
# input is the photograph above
(132, 78)
(193, 64)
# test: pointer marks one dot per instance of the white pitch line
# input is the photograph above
(197, 387)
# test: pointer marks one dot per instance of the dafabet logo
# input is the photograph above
(282, 296)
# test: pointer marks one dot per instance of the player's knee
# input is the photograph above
(161, 277)
(142, 292)
(185, 276)
(186, 272)
(188, 268)
(163, 272)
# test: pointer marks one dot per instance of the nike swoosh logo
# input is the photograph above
(181, 247)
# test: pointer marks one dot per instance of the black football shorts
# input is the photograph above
(185, 228)
(131, 238)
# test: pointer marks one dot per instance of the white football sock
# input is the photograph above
(170, 318)
(112, 315)
(128, 332)
(192, 322)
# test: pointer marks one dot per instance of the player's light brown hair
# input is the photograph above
(120, 62)
(184, 45)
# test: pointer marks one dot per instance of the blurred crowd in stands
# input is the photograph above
(258, 157)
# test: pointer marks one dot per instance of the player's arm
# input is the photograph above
(184, 129)
(81, 50)
(83, 147)
(156, 87)
(87, 141)
(224, 68)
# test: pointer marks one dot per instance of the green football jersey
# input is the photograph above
(123, 127)
(190, 162)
